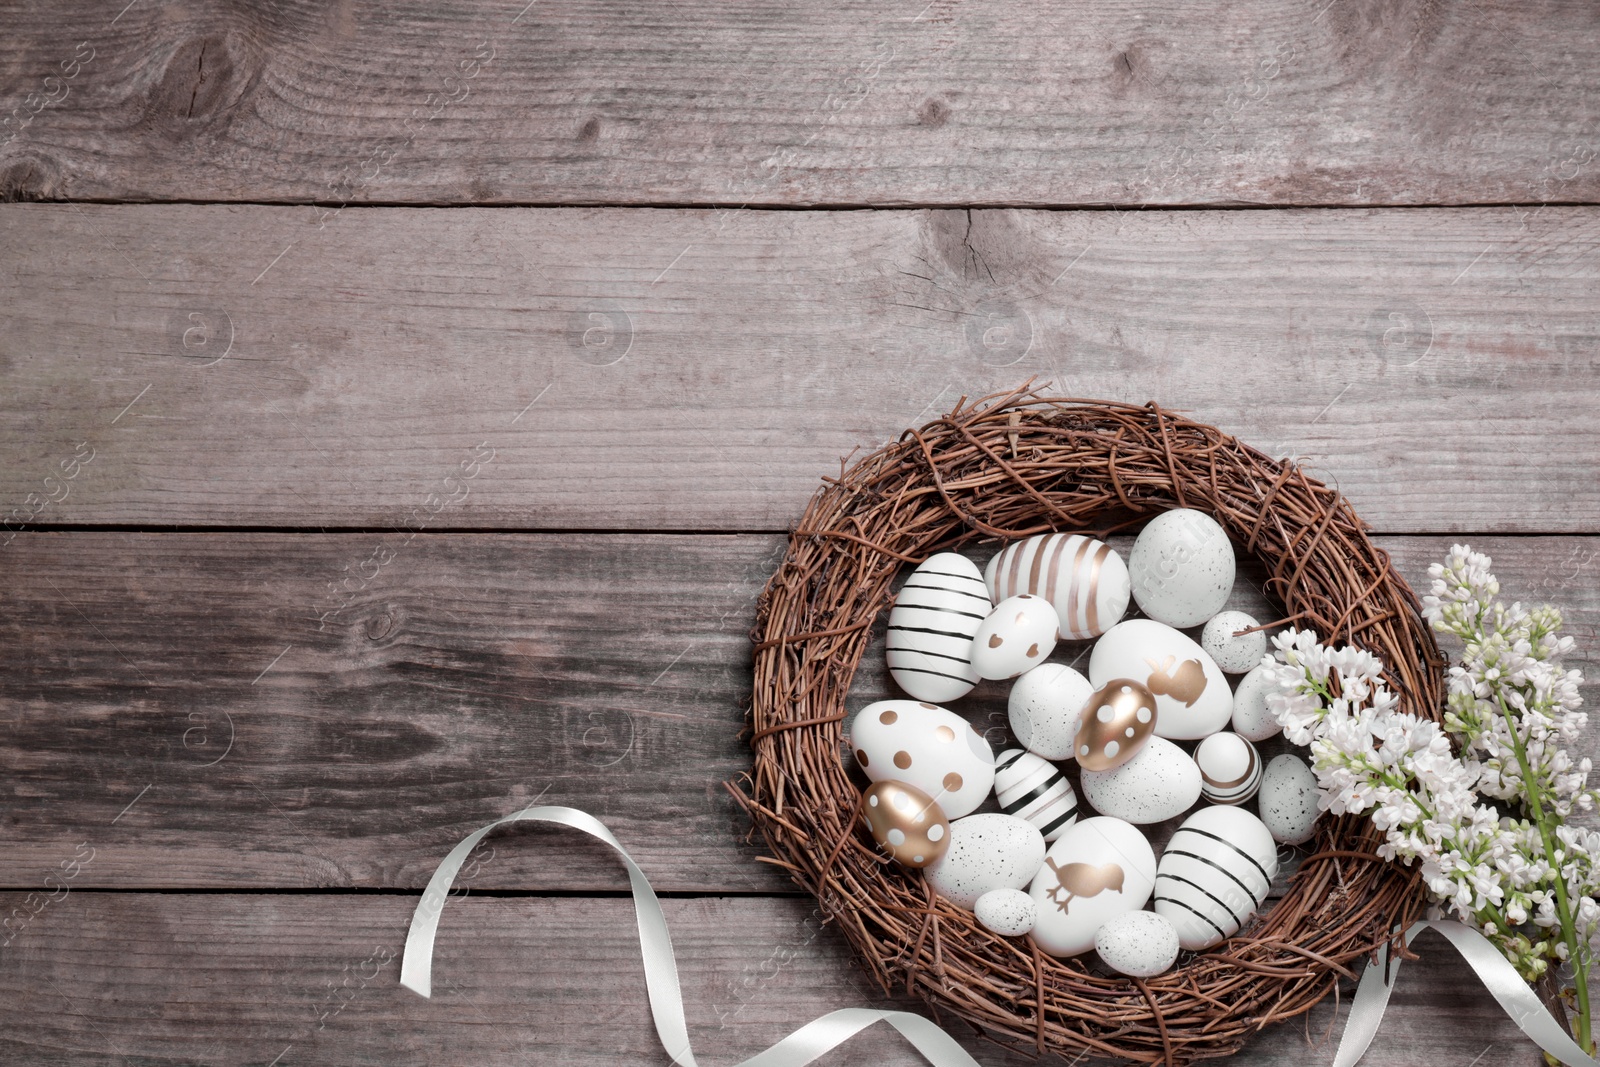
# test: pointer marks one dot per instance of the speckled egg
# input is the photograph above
(1099, 868)
(1034, 789)
(1118, 719)
(1289, 800)
(1182, 567)
(906, 823)
(1251, 718)
(928, 747)
(1158, 784)
(929, 640)
(1008, 912)
(1017, 636)
(987, 851)
(1214, 874)
(1192, 695)
(1084, 580)
(1230, 770)
(1235, 655)
(1137, 943)
(1045, 707)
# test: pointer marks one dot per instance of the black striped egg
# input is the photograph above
(1230, 769)
(1034, 789)
(1214, 874)
(935, 615)
(1084, 580)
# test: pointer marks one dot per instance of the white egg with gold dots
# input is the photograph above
(1017, 636)
(926, 746)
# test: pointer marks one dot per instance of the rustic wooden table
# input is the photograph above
(403, 406)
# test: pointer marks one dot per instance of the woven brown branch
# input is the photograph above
(1012, 466)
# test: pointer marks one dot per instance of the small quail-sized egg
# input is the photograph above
(1252, 719)
(1289, 800)
(1230, 769)
(1234, 654)
(1017, 636)
(1140, 944)
(1046, 707)
(1010, 912)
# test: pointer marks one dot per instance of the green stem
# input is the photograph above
(1569, 932)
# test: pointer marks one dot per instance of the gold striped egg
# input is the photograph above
(1117, 721)
(906, 823)
(1083, 579)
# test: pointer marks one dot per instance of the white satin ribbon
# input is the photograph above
(660, 966)
(1493, 970)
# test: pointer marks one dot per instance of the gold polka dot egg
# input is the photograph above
(925, 746)
(906, 823)
(1118, 720)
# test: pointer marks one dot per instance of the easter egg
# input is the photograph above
(987, 851)
(928, 747)
(1008, 912)
(1192, 696)
(1118, 718)
(1252, 720)
(929, 646)
(1044, 708)
(1084, 580)
(1214, 874)
(1099, 868)
(1161, 782)
(1141, 944)
(1181, 567)
(1289, 800)
(1017, 636)
(1034, 789)
(906, 823)
(1235, 655)
(1230, 770)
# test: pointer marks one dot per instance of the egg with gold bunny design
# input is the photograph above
(1192, 695)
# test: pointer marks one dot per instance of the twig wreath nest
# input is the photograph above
(1012, 466)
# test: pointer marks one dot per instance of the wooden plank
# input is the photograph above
(844, 103)
(621, 369)
(314, 979)
(172, 702)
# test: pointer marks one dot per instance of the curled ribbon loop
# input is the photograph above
(660, 967)
(1493, 970)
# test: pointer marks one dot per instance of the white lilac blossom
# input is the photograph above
(1481, 801)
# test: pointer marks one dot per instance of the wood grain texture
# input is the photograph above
(169, 979)
(644, 369)
(847, 102)
(172, 702)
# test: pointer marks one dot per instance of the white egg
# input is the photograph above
(928, 747)
(987, 851)
(1214, 874)
(1034, 789)
(1046, 707)
(1099, 868)
(1085, 581)
(929, 645)
(1289, 800)
(1017, 636)
(1192, 696)
(1235, 655)
(1137, 943)
(1161, 782)
(1008, 912)
(1251, 718)
(1181, 567)
(1230, 770)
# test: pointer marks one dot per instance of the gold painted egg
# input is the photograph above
(906, 823)
(1117, 721)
